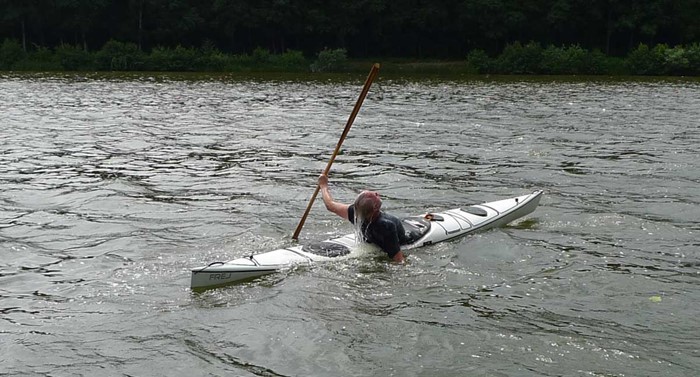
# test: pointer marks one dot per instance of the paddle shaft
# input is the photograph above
(372, 74)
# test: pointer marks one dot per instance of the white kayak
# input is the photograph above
(422, 231)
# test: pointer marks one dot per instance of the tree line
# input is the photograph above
(416, 29)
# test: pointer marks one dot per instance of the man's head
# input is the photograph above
(367, 206)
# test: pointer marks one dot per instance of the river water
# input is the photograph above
(114, 187)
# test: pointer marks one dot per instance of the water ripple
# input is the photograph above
(113, 187)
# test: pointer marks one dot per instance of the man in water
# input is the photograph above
(372, 225)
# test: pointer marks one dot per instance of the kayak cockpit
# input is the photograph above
(416, 227)
(326, 249)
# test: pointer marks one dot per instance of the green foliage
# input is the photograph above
(178, 59)
(73, 58)
(211, 59)
(568, 35)
(401, 29)
(614, 66)
(261, 55)
(555, 60)
(552, 60)
(119, 56)
(692, 53)
(600, 64)
(664, 60)
(572, 60)
(159, 59)
(291, 60)
(330, 60)
(519, 59)
(578, 60)
(575, 60)
(40, 59)
(676, 61)
(10, 53)
(514, 59)
(647, 61)
(478, 62)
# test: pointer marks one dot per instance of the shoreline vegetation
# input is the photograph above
(516, 58)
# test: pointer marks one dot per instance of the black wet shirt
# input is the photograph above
(386, 232)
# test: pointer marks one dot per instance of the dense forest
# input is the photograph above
(415, 29)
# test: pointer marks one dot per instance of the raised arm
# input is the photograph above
(339, 209)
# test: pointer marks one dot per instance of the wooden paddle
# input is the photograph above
(372, 74)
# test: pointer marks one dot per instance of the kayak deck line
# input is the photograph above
(207, 266)
(421, 230)
(298, 253)
(516, 201)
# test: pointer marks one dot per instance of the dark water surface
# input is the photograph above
(112, 189)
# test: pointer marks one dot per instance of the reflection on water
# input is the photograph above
(114, 188)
